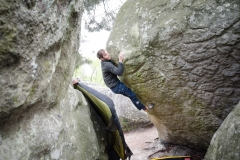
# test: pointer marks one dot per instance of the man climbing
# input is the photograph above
(110, 73)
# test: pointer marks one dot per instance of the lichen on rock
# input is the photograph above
(182, 56)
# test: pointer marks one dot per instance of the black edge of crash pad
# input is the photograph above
(96, 97)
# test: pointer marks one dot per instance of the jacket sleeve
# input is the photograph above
(115, 70)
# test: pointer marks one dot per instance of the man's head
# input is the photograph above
(103, 55)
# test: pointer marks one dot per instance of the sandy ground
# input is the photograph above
(144, 144)
(141, 142)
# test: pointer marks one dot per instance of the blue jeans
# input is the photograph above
(120, 88)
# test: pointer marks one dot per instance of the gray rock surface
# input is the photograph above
(184, 57)
(130, 117)
(68, 130)
(41, 116)
(225, 143)
(38, 49)
(181, 55)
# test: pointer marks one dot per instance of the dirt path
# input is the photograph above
(141, 142)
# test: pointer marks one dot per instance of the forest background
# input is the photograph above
(97, 22)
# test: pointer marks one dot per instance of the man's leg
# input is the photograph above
(122, 89)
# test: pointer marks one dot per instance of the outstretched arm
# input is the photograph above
(119, 70)
(116, 70)
(110, 67)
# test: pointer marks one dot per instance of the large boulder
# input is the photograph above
(38, 49)
(129, 116)
(69, 130)
(184, 57)
(41, 116)
(225, 143)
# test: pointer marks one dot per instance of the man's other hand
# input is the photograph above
(121, 57)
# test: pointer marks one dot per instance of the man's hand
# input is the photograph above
(74, 81)
(121, 57)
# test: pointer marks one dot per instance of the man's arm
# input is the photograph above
(116, 70)
(113, 69)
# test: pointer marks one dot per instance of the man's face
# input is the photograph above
(106, 56)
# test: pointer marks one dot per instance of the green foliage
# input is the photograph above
(90, 71)
(81, 60)
(125, 124)
(99, 14)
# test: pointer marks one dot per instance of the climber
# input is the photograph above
(110, 73)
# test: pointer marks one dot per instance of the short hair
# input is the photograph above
(100, 53)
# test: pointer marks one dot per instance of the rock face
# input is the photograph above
(68, 130)
(41, 116)
(225, 143)
(184, 57)
(38, 48)
(130, 117)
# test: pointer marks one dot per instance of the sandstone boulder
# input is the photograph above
(129, 116)
(42, 117)
(38, 49)
(184, 57)
(69, 130)
(225, 143)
